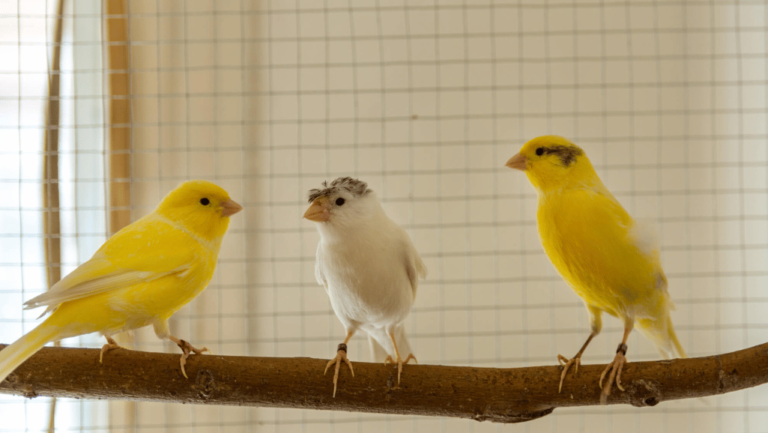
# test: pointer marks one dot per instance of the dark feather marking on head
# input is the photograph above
(353, 186)
(567, 154)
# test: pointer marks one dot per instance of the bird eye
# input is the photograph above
(204, 201)
(339, 201)
(540, 151)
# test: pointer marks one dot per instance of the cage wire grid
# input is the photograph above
(425, 101)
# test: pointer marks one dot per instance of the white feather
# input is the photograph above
(644, 236)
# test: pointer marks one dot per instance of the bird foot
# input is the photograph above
(341, 356)
(111, 344)
(187, 349)
(614, 368)
(400, 363)
(567, 363)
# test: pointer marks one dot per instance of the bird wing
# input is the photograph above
(414, 265)
(139, 253)
(642, 235)
(318, 267)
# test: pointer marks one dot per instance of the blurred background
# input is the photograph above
(107, 106)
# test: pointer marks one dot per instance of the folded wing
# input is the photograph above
(121, 262)
(414, 265)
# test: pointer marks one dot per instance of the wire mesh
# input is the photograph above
(425, 101)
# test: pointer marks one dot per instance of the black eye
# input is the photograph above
(204, 201)
(540, 151)
(339, 201)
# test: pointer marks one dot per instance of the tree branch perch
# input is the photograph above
(482, 394)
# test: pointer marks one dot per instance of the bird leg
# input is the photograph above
(399, 361)
(576, 360)
(341, 356)
(615, 368)
(111, 344)
(187, 348)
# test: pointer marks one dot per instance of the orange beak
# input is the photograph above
(230, 207)
(518, 162)
(319, 211)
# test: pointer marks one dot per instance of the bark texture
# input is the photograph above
(482, 394)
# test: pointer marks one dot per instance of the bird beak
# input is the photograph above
(518, 162)
(230, 207)
(319, 210)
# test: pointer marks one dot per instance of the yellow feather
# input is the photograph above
(142, 275)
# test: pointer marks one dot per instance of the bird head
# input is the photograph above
(553, 162)
(342, 203)
(201, 207)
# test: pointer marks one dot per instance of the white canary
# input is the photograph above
(369, 268)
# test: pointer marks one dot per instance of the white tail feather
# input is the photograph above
(381, 345)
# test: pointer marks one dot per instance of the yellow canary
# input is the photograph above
(140, 276)
(598, 249)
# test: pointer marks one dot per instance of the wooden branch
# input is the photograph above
(482, 394)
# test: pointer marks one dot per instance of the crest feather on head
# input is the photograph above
(355, 187)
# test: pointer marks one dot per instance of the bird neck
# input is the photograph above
(207, 228)
(372, 221)
(557, 179)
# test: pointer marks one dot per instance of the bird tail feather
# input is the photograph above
(673, 336)
(381, 346)
(378, 353)
(26, 346)
(662, 333)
